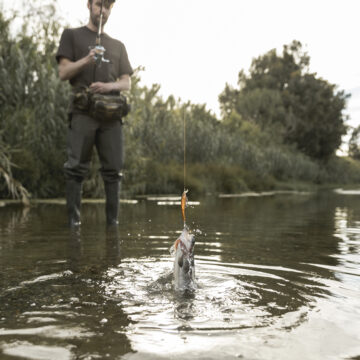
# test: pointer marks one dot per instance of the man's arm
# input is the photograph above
(123, 83)
(68, 69)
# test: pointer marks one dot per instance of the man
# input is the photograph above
(77, 63)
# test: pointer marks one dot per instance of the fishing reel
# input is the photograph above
(99, 54)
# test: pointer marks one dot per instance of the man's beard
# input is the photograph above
(95, 19)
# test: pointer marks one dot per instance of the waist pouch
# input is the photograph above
(101, 106)
(108, 107)
(81, 100)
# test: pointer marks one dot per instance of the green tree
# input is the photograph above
(283, 98)
(33, 102)
(354, 143)
(277, 104)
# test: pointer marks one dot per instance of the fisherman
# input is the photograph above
(93, 73)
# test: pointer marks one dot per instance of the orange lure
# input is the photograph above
(184, 202)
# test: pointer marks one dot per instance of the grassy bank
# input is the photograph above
(229, 154)
(217, 178)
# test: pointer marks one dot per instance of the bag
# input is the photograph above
(101, 106)
(108, 107)
(81, 100)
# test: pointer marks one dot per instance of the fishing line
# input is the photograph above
(184, 121)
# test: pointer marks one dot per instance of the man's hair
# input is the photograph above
(105, 1)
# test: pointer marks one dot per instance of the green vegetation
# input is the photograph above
(33, 104)
(282, 97)
(354, 149)
(279, 129)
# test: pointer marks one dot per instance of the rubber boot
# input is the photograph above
(73, 201)
(112, 193)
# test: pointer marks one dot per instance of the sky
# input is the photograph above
(192, 48)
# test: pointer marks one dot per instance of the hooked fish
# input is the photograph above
(184, 265)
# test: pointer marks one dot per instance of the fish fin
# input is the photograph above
(174, 247)
(177, 242)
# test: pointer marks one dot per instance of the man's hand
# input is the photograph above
(68, 69)
(123, 83)
(90, 57)
(101, 87)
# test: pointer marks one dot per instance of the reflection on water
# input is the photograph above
(277, 278)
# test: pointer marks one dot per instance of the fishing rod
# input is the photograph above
(99, 49)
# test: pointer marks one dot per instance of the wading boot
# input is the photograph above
(73, 201)
(112, 193)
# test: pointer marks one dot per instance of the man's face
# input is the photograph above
(95, 8)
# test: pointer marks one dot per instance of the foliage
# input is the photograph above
(15, 188)
(277, 110)
(283, 98)
(340, 170)
(155, 137)
(33, 104)
(354, 144)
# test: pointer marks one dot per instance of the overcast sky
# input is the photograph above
(192, 48)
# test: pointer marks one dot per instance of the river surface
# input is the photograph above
(277, 277)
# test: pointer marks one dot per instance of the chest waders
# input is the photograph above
(110, 155)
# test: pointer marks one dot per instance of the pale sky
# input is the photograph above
(192, 48)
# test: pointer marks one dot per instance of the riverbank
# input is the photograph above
(305, 190)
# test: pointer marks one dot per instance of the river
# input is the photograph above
(277, 277)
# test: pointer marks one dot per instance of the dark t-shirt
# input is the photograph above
(75, 44)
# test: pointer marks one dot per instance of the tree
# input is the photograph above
(33, 103)
(354, 144)
(316, 123)
(282, 97)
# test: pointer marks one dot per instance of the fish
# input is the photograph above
(184, 264)
(183, 249)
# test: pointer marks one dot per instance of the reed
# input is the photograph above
(231, 154)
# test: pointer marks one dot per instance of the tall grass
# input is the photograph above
(14, 187)
(222, 155)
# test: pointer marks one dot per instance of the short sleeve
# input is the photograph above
(66, 48)
(125, 67)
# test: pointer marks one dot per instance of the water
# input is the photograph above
(278, 277)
